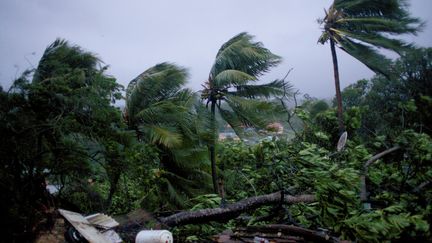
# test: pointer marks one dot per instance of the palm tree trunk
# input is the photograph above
(337, 86)
(113, 189)
(212, 147)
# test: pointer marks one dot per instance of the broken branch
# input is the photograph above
(363, 190)
(233, 210)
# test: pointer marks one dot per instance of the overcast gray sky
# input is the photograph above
(132, 36)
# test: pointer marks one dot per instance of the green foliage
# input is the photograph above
(400, 211)
(247, 169)
(388, 107)
(322, 129)
(384, 225)
(336, 186)
(206, 201)
(47, 126)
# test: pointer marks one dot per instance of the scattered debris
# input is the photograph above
(96, 228)
(274, 233)
(102, 221)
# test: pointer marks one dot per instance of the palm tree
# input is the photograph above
(239, 62)
(168, 116)
(359, 27)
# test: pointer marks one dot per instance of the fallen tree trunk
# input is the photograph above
(233, 210)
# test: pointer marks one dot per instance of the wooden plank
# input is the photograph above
(102, 221)
(83, 226)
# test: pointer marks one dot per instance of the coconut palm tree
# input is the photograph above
(230, 89)
(359, 27)
(167, 115)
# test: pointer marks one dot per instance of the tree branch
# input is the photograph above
(232, 210)
(363, 190)
(378, 156)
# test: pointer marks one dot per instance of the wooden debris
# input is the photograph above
(102, 221)
(274, 233)
(86, 226)
(83, 226)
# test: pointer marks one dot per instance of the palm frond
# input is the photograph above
(158, 82)
(165, 135)
(367, 55)
(185, 98)
(387, 9)
(233, 120)
(260, 91)
(172, 194)
(231, 77)
(161, 112)
(191, 157)
(161, 82)
(251, 113)
(376, 24)
(241, 53)
(377, 40)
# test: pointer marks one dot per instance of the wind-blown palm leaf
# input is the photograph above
(161, 134)
(232, 77)
(233, 120)
(158, 83)
(163, 111)
(382, 25)
(193, 153)
(389, 9)
(260, 91)
(365, 54)
(185, 98)
(170, 193)
(241, 53)
(251, 113)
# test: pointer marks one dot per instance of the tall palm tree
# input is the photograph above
(167, 115)
(239, 63)
(359, 27)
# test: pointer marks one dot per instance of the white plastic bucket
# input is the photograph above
(154, 236)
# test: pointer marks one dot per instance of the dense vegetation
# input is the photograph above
(59, 126)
